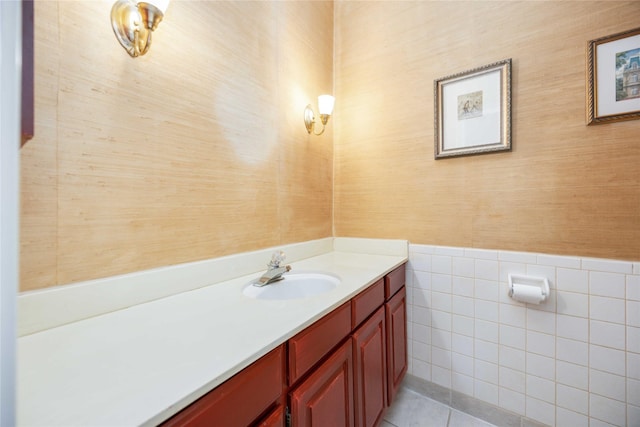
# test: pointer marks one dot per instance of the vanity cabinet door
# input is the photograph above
(396, 342)
(325, 398)
(370, 370)
(240, 400)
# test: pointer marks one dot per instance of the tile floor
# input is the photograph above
(412, 409)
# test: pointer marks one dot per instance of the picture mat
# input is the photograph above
(479, 131)
(606, 77)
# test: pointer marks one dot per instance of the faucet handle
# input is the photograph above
(276, 259)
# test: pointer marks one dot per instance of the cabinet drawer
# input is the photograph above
(366, 302)
(393, 282)
(241, 399)
(312, 344)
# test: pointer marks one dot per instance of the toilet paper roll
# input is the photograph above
(528, 294)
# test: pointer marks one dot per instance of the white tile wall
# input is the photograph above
(573, 360)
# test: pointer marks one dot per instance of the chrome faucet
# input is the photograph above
(275, 271)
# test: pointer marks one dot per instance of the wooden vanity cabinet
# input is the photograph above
(343, 370)
(236, 402)
(380, 346)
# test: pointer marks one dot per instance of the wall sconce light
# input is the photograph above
(325, 108)
(133, 22)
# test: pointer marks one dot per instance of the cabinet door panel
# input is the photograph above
(239, 400)
(325, 398)
(396, 342)
(370, 368)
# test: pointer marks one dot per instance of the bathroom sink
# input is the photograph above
(294, 286)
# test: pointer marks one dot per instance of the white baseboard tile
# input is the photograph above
(371, 246)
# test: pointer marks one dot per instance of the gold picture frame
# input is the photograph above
(613, 78)
(473, 111)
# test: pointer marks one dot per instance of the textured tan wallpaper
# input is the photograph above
(196, 150)
(565, 188)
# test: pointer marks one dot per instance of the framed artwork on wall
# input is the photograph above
(473, 111)
(27, 98)
(613, 78)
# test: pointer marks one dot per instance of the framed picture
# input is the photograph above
(613, 78)
(473, 111)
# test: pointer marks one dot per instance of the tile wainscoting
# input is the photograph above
(573, 360)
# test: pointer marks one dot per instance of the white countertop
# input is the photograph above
(142, 364)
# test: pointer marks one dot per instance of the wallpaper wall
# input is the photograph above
(566, 188)
(196, 150)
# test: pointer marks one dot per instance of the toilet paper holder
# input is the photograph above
(541, 282)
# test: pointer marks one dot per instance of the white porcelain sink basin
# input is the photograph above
(294, 286)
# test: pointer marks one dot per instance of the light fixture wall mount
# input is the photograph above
(133, 23)
(325, 108)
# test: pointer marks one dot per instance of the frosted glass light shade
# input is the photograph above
(325, 108)
(325, 104)
(160, 4)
